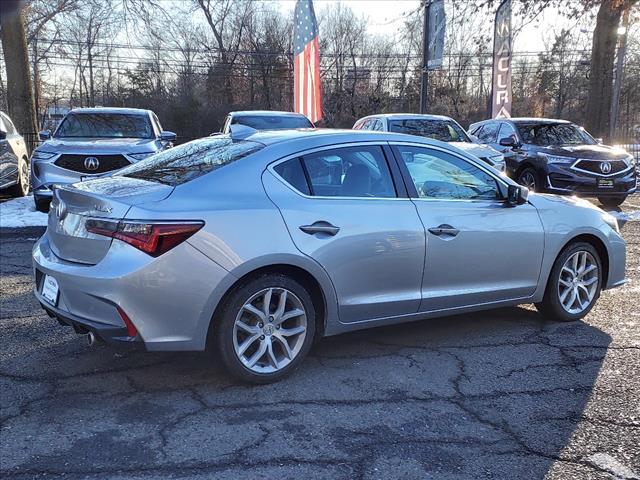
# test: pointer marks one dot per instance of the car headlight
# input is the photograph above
(630, 161)
(557, 158)
(140, 156)
(611, 221)
(40, 155)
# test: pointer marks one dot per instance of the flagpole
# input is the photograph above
(424, 86)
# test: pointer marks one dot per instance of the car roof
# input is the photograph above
(330, 136)
(116, 110)
(408, 116)
(517, 120)
(266, 113)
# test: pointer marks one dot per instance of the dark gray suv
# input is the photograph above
(557, 156)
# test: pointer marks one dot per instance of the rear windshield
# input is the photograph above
(276, 122)
(105, 125)
(554, 134)
(182, 164)
(443, 130)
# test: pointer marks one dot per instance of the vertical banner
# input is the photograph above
(437, 26)
(502, 43)
(306, 62)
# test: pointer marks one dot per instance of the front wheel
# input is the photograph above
(574, 284)
(42, 204)
(265, 329)
(21, 188)
(530, 179)
(612, 202)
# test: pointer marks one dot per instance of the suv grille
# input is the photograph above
(106, 163)
(593, 166)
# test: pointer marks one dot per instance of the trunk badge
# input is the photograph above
(61, 210)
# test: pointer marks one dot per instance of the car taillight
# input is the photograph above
(152, 238)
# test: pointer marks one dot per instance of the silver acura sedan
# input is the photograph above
(254, 244)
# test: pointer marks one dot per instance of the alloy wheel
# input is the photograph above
(269, 330)
(24, 177)
(578, 282)
(528, 179)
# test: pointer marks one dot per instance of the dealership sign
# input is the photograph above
(501, 86)
(437, 25)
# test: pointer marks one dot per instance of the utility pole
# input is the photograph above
(424, 86)
(622, 50)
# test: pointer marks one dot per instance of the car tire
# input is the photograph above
(42, 204)
(612, 202)
(243, 321)
(21, 188)
(529, 178)
(554, 305)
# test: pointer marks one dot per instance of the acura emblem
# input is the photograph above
(61, 210)
(605, 167)
(91, 163)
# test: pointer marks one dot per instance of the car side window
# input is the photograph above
(341, 172)
(440, 175)
(488, 133)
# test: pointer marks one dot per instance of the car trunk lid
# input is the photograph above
(104, 198)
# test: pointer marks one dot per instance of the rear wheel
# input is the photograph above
(530, 179)
(574, 284)
(613, 201)
(21, 188)
(265, 329)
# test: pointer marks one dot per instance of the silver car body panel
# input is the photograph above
(381, 268)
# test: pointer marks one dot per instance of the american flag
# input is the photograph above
(306, 67)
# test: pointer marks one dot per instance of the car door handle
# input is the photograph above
(444, 230)
(320, 227)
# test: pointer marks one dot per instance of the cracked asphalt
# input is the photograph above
(501, 394)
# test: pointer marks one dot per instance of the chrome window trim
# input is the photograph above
(372, 143)
(573, 167)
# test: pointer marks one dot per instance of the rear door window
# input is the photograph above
(191, 160)
(341, 172)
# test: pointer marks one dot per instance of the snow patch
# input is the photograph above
(610, 465)
(632, 216)
(21, 212)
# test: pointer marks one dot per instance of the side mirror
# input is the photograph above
(3, 135)
(45, 135)
(517, 195)
(168, 136)
(508, 142)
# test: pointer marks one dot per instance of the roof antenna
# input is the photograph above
(240, 132)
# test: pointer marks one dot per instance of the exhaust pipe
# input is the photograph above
(93, 339)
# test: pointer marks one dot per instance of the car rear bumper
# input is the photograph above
(169, 299)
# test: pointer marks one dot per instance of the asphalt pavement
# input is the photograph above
(501, 394)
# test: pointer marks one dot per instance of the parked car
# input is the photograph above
(265, 120)
(91, 142)
(14, 160)
(557, 156)
(437, 127)
(255, 246)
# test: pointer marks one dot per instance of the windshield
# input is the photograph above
(191, 160)
(554, 134)
(443, 130)
(276, 122)
(105, 125)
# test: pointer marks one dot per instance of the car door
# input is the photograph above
(344, 209)
(512, 155)
(478, 250)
